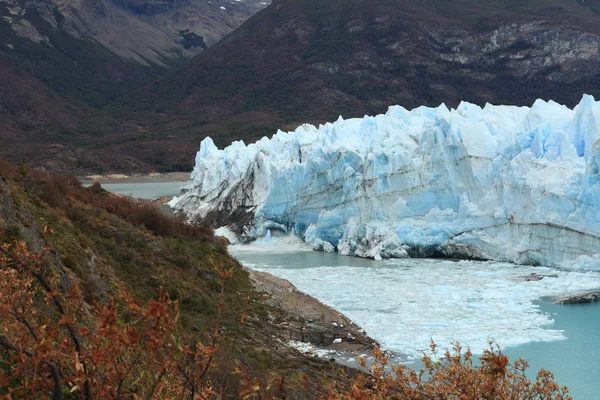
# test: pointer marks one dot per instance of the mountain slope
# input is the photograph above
(104, 243)
(308, 60)
(61, 60)
(40, 128)
(296, 61)
(97, 50)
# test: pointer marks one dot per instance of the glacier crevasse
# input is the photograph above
(509, 183)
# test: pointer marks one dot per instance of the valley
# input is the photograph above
(294, 62)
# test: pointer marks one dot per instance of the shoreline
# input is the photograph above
(578, 298)
(315, 328)
(148, 178)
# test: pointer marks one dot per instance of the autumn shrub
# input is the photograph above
(54, 345)
(144, 213)
(451, 375)
(56, 189)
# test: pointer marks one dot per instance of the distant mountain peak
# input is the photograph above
(144, 31)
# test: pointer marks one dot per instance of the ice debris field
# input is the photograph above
(507, 183)
(404, 303)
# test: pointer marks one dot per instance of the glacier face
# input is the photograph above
(518, 184)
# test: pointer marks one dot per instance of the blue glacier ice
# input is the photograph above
(517, 184)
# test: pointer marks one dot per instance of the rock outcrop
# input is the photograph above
(145, 31)
(580, 298)
(316, 323)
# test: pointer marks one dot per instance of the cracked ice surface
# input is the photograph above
(518, 184)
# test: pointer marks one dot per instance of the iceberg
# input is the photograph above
(506, 183)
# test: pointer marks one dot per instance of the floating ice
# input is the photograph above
(281, 245)
(268, 238)
(308, 348)
(507, 183)
(403, 303)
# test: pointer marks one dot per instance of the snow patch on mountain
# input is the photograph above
(518, 184)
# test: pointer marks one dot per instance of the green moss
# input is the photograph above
(11, 233)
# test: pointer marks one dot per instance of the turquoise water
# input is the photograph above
(575, 361)
(149, 191)
(404, 303)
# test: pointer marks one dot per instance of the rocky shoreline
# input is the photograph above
(580, 298)
(315, 328)
(149, 178)
(574, 298)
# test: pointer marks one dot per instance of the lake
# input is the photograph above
(404, 303)
(145, 190)
(575, 361)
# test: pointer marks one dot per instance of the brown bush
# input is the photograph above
(52, 344)
(55, 189)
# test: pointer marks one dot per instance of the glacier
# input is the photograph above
(506, 183)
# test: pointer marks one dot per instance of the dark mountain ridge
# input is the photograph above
(310, 61)
(302, 61)
(148, 7)
(62, 60)
(97, 50)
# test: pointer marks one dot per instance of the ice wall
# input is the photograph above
(507, 183)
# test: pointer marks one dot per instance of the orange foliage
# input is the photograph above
(451, 376)
(54, 345)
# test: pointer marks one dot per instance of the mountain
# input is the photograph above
(97, 50)
(295, 61)
(310, 61)
(62, 60)
(41, 128)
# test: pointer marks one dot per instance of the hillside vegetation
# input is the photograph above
(106, 297)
